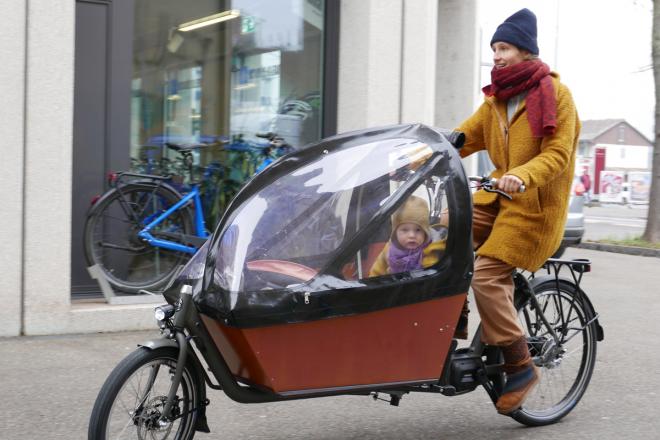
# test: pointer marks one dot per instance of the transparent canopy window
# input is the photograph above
(295, 225)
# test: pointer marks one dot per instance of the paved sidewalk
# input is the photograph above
(49, 384)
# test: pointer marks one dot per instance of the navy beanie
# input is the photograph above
(519, 30)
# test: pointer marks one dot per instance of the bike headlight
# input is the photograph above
(164, 312)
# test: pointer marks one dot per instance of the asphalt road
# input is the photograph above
(49, 384)
(614, 221)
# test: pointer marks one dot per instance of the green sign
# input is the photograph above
(248, 24)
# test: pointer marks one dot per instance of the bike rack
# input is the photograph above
(111, 296)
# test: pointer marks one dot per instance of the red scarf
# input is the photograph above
(534, 78)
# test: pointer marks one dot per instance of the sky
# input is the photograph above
(601, 49)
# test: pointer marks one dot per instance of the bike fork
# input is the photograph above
(185, 300)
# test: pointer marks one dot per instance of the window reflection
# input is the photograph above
(209, 70)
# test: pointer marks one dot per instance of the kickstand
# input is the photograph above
(145, 297)
(96, 273)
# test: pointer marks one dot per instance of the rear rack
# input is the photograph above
(577, 267)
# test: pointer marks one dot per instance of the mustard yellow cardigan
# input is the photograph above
(529, 228)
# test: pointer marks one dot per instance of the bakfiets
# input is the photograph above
(279, 304)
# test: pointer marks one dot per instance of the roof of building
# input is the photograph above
(593, 128)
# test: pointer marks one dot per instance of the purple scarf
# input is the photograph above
(404, 260)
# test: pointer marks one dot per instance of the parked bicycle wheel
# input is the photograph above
(132, 399)
(111, 240)
(565, 368)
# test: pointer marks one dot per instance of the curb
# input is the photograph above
(630, 250)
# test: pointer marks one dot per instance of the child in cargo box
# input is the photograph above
(411, 245)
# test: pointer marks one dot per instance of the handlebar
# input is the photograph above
(489, 184)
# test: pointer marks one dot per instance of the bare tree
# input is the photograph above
(652, 232)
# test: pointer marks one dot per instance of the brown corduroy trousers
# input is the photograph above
(492, 285)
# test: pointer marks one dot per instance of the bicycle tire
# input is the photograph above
(111, 242)
(142, 398)
(547, 403)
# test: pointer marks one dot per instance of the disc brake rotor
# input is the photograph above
(148, 420)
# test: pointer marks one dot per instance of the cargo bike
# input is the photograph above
(279, 304)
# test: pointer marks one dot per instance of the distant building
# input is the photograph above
(617, 157)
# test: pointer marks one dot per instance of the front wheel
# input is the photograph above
(566, 367)
(131, 401)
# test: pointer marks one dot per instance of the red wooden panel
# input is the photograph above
(406, 343)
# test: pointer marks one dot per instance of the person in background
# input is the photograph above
(529, 126)
(586, 183)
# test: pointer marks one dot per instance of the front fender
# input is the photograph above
(197, 369)
(154, 344)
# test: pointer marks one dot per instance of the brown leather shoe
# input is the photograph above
(521, 376)
(518, 386)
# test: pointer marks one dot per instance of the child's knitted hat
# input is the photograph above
(415, 210)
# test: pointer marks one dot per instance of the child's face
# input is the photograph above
(409, 235)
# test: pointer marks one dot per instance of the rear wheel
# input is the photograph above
(565, 368)
(129, 263)
(132, 399)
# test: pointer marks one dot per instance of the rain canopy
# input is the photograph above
(301, 240)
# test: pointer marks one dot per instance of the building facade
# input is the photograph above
(618, 160)
(87, 84)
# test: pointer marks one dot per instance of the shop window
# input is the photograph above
(223, 70)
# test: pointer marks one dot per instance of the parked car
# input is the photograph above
(574, 229)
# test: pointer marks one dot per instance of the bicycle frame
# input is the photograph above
(464, 369)
(200, 226)
(194, 196)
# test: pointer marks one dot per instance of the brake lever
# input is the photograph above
(498, 191)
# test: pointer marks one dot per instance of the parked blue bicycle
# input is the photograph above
(145, 227)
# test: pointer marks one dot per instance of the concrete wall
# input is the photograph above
(49, 84)
(407, 61)
(369, 64)
(48, 162)
(420, 41)
(12, 73)
(457, 62)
